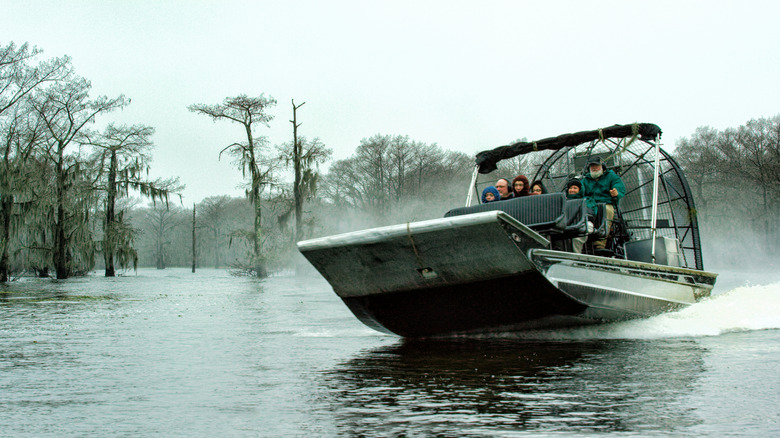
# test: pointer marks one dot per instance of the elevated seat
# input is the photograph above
(541, 213)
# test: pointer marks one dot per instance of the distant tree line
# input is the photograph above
(734, 175)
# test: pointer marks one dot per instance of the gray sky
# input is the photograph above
(467, 75)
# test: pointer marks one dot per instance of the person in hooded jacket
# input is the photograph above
(574, 189)
(601, 185)
(520, 186)
(490, 194)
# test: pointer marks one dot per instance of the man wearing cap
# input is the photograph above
(602, 186)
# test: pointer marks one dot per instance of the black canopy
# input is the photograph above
(487, 160)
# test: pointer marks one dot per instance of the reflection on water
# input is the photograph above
(484, 388)
(175, 354)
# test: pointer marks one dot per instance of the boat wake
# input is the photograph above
(741, 309)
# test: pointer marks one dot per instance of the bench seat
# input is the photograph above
(542, 213)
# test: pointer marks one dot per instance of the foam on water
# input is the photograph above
(741, 309)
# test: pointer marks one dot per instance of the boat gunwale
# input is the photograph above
(378, 234)
(613, 262)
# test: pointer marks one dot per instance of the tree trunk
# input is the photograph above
(60, 249)
(109, 232)
(5, 238)
(194, 256)
(259, 264)
(60, 243)
(216, 248)
(297, 192)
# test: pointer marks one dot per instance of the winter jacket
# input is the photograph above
(597, 190)
(492, 190)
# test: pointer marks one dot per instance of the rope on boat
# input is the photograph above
(634, 136)
(414, 247)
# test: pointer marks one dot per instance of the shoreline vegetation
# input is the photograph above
(75, 196)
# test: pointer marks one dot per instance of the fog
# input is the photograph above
(465, 75)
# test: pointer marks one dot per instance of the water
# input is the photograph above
(171, 353)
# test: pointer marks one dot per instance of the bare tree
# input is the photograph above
(214, 217)
(700, 159)
(18, 78)
(162, 220)
(394, 178)
(296, 159)
(249, 112)
(305, 156)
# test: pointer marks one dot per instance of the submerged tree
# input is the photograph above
(122, 158)
(65, 110)
(304, 156)
(17, 179)
(249, 112)
(19, 133)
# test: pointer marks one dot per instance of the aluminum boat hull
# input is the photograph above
(487, 272)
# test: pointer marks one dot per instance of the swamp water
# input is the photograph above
(171, 353)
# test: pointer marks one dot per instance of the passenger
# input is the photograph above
(490, 194)
(602, 186)
(520, 186)
(503, 189)
(574, 189)
(537, 188)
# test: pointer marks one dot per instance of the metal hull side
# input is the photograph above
(424, 255)
(616, 295)
(522, 301)
(609, 305)
(486, 272)
(617, 290)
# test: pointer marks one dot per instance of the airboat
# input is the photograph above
(509, 266)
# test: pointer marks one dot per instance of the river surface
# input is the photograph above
(171, 353)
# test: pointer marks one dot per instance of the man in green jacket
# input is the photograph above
(602, 186)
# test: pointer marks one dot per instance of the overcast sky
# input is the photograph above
(467, 75)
